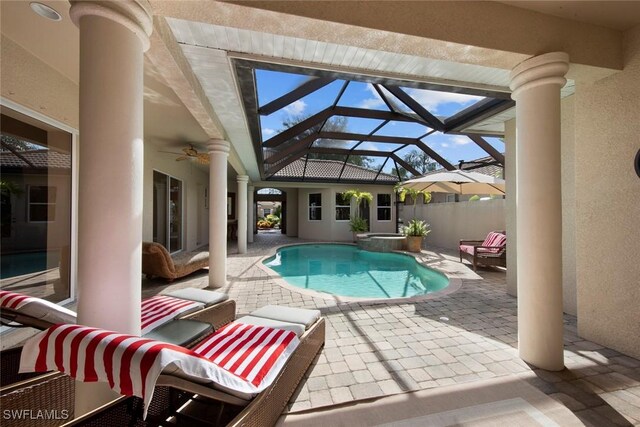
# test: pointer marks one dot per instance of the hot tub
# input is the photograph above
(381, 242)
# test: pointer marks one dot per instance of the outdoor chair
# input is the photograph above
(158, 262)
(181, 317)
(492, 251)
(276, 345)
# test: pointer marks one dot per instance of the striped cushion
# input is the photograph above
(36, 307)
(247, 351)
(239, 357)
(162, 309)
(498, 241)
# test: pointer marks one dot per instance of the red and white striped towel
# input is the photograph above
(161, 309)
(36, 307)
(14, 300)
(241, 357)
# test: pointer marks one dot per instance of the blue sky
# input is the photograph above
(271, 85)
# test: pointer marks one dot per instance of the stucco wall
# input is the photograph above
(328, 228)
(30, 82)
(608, 205)
(194, 181)
(451, 222)
(510, 206)
(568, 177)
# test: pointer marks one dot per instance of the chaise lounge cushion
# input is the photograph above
(208, 298)
(156, 261)
(180, 332)
(301, 316)
(296, 328)
(37, 308)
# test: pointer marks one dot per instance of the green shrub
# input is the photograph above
(416, 227)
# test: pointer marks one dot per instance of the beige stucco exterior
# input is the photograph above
(600, 128)
(607, 205)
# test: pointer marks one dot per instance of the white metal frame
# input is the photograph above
(73, 268)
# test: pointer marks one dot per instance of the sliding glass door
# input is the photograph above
(167, 211)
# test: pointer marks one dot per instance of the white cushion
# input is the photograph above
(301, 316)
(261, 321)
(200, 295)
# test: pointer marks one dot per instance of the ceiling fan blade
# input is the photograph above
(203, 159)
(181, 158)
(190, 151)
(170, 152)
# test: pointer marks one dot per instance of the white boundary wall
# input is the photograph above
(451, 222)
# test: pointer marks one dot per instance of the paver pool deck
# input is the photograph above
(469, 335)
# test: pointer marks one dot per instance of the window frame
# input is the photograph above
(378, 206)
(168, 213)
(309, 207)
(30, 203)
(337, 206)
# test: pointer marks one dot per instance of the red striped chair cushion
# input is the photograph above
(240, 357)
(498, 241)
(161, 309)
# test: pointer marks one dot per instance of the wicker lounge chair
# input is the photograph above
(492, 251)
(187, 328)
(175, 391)
(157, 262)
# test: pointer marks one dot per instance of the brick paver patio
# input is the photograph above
(470, 335)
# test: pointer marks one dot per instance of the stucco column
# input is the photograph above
(536, 85)
(113, 39)
(242, 213)
(250, 219)
(218, 154)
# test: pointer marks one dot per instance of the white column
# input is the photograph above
(242, 213)
(218, 154)
(536, 85)
(250, 219)
(113, 38)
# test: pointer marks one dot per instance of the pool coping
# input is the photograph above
(455, 283)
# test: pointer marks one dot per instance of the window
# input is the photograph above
(384, 207)
(167, 211)
(267, 211)
(36, 218)
(315, 207)
(42, 203)
(343, 207)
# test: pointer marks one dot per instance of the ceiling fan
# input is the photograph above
(189, 153)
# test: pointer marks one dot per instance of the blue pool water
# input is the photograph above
(348, 271)
(12, 265)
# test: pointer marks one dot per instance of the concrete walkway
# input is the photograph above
(374, 350)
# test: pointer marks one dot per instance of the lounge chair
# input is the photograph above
(157, 262)
(183, 323)
(254, 409)
(492, 251)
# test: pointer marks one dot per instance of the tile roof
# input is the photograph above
(492, 170)
(330, 170)
(39, 158)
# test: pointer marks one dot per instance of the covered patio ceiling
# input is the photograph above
(321, 147)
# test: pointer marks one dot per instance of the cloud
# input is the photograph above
(374, 101)
(444, 145)
(459, 140)
(432, 100)
(267, 131)
(295, 108)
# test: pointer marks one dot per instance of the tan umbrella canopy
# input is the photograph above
(457, 182)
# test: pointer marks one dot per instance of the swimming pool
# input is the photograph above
(12, 265)
(346, 270)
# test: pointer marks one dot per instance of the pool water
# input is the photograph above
(345, 270)
(12, 265)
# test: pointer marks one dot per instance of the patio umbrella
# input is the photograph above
(457, 182)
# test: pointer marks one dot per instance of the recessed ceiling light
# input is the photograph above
(46, 11)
